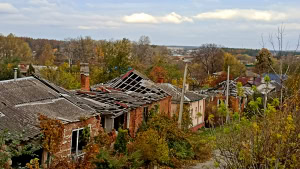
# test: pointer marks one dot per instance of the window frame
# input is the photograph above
(76, 154)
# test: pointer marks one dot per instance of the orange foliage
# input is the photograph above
(52, 131)
(157, 73)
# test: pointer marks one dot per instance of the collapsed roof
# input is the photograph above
(123, 94)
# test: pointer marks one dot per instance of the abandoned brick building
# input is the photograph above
(23, 99)
(124, 101)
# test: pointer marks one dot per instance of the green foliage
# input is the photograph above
(182, 145)
(7, 68)
(267, 79)
(12, 145)
(146, 141)
(86, 132)
(63, 76)
(236, 67)
(30, 70)
(4, 154)
(106, 161)
(240, 89)
(116, 58)
(121, 141)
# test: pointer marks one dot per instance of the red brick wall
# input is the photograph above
(136, 116)
(65, 148)
(195, 128)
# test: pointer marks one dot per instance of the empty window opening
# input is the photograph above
(78, 142)
(145, 114)
(119, 122)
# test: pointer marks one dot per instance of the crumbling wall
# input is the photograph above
(65, 147)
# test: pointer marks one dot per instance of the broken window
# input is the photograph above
(145, 114)
(78, 142)
(103, 122)
(119, 122)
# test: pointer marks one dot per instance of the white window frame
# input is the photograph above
(77, 141)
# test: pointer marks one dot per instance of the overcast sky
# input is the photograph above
(231, 23)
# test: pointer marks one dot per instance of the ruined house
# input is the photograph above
(124, 101)
(217, 95)
(195, 103)
(23, 100)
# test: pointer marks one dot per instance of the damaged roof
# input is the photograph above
(23, 99)
(136, 82)
(175, 92)
(122, 94)
(221, 89)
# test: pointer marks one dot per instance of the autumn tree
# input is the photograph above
(47, 56)
(12, 47)
(236, 67)
(80, 49)
(210, 56)
(263, 61)
(12, 51)
(157, 73)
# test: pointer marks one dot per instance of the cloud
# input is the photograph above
(41, 3)
(140, 18)
(7, 8)
(146, 18)
(242, 14)
(175, 18)
(87, 27)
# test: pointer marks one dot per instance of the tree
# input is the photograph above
(116, 58)
(142, 50)
(12, 47)
(30, 70)
(157, 73)
(263, 61)
(236, 67)
(47, 56)
(12, 51)
(210, 56)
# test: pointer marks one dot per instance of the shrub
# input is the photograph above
(153, 147)
(271, 141)
(121, 142)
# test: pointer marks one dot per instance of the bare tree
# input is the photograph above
(280, 52)
(210, 56)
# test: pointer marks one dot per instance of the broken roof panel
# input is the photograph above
(137, 82)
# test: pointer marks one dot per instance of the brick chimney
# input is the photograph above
(85, 76)
(160, 80)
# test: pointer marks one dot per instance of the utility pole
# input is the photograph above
(182, 97)
(227, 95)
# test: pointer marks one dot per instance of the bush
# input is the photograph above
(153, 147)
(271, 141)
(121, 142)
